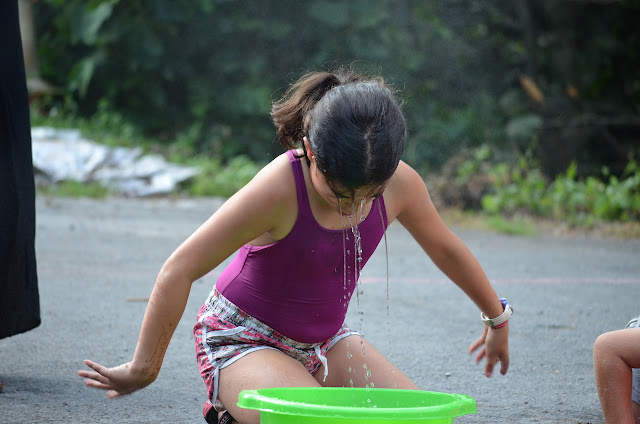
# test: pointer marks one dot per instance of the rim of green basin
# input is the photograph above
(317, 402)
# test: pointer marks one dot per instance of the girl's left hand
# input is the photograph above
(494, 345)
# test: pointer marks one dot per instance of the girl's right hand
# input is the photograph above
(493, 345)
(117, 381)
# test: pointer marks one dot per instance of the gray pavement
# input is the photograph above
(98, 259)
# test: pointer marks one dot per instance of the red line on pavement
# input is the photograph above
(542, 280)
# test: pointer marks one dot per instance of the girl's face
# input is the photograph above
(344, 201)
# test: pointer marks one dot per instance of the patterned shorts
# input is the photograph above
(225, 333)
(635, 389)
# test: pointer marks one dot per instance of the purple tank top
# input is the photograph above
(297, 285)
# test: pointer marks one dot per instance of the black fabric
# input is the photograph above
(19, 297)
(212, 417)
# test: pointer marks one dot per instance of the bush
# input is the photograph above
(579, 202)
(218, 180)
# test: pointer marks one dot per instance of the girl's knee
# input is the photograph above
(604, 344)
(355, 362)
(599, 345)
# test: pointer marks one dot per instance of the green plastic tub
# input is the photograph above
(327, 405)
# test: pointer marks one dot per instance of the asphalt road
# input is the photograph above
(98, 259)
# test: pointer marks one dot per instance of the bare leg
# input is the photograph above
(354, 362)
(257, 370)
(614, 355)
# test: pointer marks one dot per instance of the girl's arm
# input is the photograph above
(412, 206)
(267, 205)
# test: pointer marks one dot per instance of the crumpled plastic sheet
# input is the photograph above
(63, 154)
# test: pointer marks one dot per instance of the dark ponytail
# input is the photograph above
(290, 112)
(354, 125)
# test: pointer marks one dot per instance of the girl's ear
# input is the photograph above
(307, 147)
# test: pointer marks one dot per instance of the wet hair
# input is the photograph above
(354, 125)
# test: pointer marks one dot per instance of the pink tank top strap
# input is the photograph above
(303, 201)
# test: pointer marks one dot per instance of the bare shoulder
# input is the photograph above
(272, 189)
(260, 212)
(271, 198)
(276, 178)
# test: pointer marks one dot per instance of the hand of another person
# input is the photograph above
(494, 345)
(117, 381)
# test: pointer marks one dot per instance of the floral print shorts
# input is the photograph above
(225, 333)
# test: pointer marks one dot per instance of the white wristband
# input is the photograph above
(504, 317)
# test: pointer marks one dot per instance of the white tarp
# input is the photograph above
(63, 154)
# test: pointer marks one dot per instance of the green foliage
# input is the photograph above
(516, 188)
(471, 166)
(217, 180)
(105, 126)
(172, 65)
(76, 189)
(200, 77)
(513, 227)
(523, 127)
(579, 202)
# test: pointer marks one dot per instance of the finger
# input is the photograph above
(480, 341)
(488, 368)
(95, 366)
(504, 365)
(101, 373)
(92, 375)
(475, 345)
(96, 384)
(112, 394)
(481, 355)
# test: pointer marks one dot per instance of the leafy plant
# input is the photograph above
(76, 189)
(578, 201)
(218, 180)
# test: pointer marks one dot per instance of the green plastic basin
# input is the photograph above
(327, 405)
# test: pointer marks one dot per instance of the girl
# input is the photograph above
(304, 227)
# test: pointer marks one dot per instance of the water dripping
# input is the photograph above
(357, 252)
(344, 245)
(357, 212)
